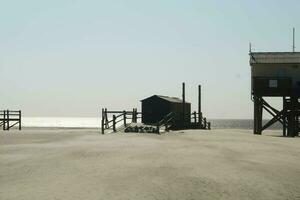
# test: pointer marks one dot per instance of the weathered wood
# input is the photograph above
(7, 120)
(102, 125)
(195, 118)
(124, 118)
(20, 117)
(114, 123)
(7, 116)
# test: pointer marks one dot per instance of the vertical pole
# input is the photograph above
(135, 115)
(260, 115)
(132, 118)
(195, 118)
(102, 125)
(124, 118)
(102, 121)
(106, 118)
(293, 39)
(4, 119)
(7, 113)
(257, 115)
(199, 107)
(183, 105)
(205, 123)
(208, 125)
(284, 117)
(114, 123)
(292, 122)
(20, 120)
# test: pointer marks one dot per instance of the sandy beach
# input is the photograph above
(70, 164)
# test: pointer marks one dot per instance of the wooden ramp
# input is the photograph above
(141, 128)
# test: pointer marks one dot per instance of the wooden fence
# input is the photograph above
(118, 117)
(199, 122)
(10, 118)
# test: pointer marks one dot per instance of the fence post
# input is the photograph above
(102, 125)
(20, 120)
(7, 113)
(204, 119)
(200, 120)
(136, 113)
(4, 119)
(114, 123)
(106, 118)
(124, 118)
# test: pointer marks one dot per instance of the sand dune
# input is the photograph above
(83, 164)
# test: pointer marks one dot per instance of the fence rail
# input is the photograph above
(10, 118)
(198, 121)
(117, 118)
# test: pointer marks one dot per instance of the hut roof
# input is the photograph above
(167, 98)
(274, 57)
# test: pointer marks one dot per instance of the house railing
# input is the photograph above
(118, 117)
(10, 118)
(200, 122)
(167, 121)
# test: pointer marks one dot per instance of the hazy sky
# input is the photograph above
(71, 58)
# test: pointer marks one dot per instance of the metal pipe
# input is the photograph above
(183, 104)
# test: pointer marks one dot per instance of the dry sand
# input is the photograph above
(81, 164)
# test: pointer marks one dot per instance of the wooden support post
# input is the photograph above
(134, 115)
(258, 112)
(201, 120)
(7, 118)
(106, 118)
(284, 117)
(102, 121)
(132, 118)
(4, 120)
(124, 118)
(114, 123)
(102, 125)
(292, 118)
(20, 120)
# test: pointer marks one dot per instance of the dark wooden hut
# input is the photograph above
(154, 108)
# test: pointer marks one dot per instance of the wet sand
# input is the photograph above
(70, 164)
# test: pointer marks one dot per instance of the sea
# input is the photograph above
(90, 122)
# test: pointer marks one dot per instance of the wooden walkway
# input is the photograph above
(10, 118)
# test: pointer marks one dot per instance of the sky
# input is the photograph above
(70, 58)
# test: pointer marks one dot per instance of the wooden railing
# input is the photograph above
(7, 116)
(167, 121)
(118, 117)
(200, 122)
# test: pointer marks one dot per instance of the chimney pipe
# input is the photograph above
(199, 107)
(183, 105)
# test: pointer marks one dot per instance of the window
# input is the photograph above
(273, 83)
